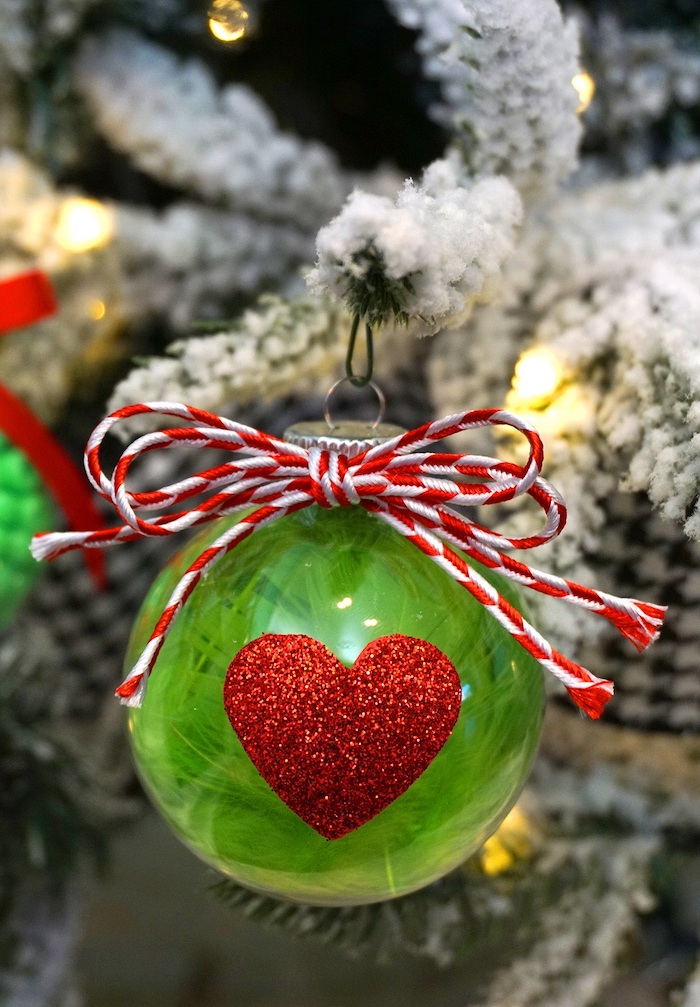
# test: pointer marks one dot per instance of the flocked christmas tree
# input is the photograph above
(427, 166)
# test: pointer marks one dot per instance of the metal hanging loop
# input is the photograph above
(381, 407)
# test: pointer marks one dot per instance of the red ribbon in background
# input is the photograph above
(26, 299)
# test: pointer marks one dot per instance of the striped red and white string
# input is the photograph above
(395, 480)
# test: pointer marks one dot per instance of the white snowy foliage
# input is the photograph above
(644, 72)
(27, 30)
(642, 77)
(637, 351)
(441, 243)
(16, 37)
(579, 939)
(505, 70)
(273, 348)
(187, 262)
(174, 123)
(690, 996)
(608, 281)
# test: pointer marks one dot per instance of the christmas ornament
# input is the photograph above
(347, 583)
(58, 473)
(24, 509)
(31, 460)
(265, 664)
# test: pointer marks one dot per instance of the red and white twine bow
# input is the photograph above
(407, 488)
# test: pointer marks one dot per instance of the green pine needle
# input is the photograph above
(374, 295)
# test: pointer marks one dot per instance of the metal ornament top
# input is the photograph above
(349, 438)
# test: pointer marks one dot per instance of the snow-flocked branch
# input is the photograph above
(267, 352)
(189, 262)
(505, 69)
(423, 258)
(223, 145)
(607, 281)
(643, 78)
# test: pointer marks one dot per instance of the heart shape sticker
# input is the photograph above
(339, 744)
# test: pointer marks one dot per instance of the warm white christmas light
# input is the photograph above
(538, 374)
(510, 843)
(83, 224)
(584, 85)
(97, 309)
(228, 20)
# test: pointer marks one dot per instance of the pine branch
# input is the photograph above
(55, 802)
(424, 257)
(372, 294)
(271, 349)
(468, 912)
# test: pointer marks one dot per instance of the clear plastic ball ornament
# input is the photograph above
(343, 577)
(25, 508)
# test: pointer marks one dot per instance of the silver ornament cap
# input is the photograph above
(348, 437)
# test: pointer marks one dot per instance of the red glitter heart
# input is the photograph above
(339, 744)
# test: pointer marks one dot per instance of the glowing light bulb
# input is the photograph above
(584, 85)
(538, 373)
(510, 843)
(83, 224)
(97, 309)
(228, 20)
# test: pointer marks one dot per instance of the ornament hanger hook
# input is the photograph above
(381, 401)
(359, 380)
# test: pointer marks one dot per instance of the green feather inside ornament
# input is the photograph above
(345, 578)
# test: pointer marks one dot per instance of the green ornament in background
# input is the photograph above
(345, 578)
(25, 508)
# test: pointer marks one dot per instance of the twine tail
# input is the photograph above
(641, 627)
(593, 698)
(132, 691)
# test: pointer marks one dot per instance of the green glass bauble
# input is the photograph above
(25, 509)
(345, 578)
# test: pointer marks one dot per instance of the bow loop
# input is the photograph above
(408, 488)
